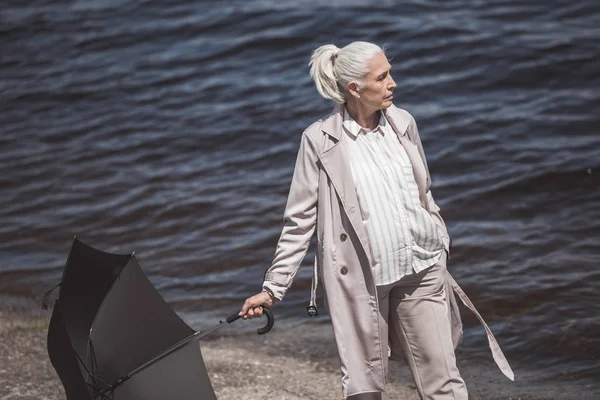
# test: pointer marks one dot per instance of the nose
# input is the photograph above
(392, 84)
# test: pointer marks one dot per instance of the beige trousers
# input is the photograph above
(413, 313)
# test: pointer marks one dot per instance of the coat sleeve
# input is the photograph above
(433, 207)
(299, 219)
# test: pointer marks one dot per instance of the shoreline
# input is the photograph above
(289, 363)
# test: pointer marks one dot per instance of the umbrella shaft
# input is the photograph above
(183, 342)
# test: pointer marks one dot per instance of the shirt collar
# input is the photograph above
(354, 129)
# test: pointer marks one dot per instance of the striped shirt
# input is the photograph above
(403, 236)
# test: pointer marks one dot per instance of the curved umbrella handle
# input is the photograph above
(264, 329)
(270, 322)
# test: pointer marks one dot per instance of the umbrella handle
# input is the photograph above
(264, 329)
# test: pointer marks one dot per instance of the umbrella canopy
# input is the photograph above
(108, 321)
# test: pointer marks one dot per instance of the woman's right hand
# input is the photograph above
(252, 308)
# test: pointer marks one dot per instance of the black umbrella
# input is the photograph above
(112, 335)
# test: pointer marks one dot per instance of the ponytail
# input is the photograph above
(322, 64)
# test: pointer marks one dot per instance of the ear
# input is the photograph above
(354, 89)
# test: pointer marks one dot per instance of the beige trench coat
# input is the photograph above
(323, 197)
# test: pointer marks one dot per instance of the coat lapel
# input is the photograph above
(334, 159)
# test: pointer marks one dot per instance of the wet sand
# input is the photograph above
(288, 363)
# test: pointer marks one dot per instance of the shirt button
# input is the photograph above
(344, 270)
(343, 237)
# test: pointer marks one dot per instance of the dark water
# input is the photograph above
(172, 130)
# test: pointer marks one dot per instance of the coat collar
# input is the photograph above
(332, 125)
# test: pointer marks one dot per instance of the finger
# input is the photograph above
(245, 308)
(250, 312)
(259, 312)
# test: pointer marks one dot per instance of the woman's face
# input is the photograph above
(378, 86)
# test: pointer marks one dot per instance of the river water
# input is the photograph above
(171, 128)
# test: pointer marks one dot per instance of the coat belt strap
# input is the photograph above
(497, 353)
(312, 307)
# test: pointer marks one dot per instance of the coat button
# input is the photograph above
(343, 237)
(344, 271)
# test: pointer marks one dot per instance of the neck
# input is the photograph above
(368, 119)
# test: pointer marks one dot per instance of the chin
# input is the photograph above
(386, 104)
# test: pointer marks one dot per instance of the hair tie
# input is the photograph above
(334, 55)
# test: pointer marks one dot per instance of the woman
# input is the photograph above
(361, 180)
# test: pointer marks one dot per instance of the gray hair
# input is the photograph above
(333, 68)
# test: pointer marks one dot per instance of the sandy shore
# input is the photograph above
(287, 364)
